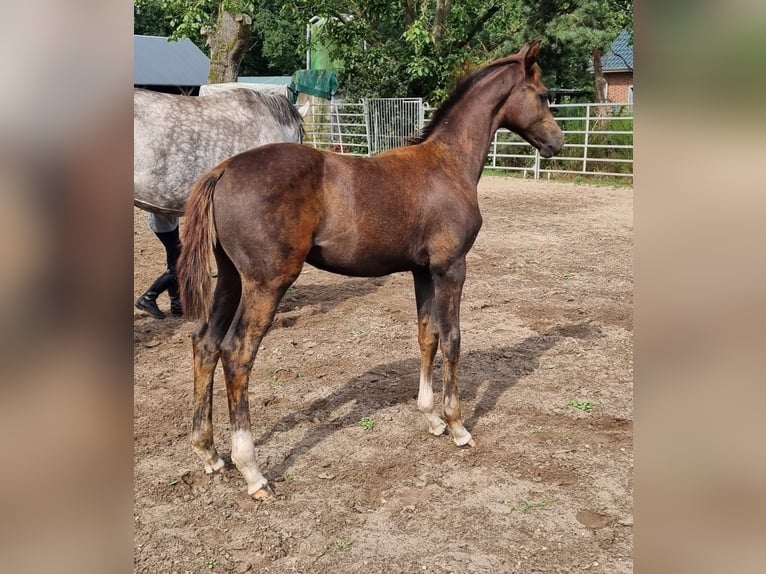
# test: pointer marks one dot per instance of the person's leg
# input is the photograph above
(172, 243)
(166, 230)
(148, 301)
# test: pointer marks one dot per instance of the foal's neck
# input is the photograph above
(469, 126)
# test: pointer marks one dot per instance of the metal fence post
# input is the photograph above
(365, 111)
(537, 163)
(587, 131)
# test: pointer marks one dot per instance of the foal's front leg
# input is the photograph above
(448, 288)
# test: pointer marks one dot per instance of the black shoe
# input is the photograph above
(176, 309)
(148, 302)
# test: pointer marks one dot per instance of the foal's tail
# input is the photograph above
(195, 281)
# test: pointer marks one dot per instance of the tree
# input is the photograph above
(394, 48)
(583, 28)
(228, 30)
(410, 47)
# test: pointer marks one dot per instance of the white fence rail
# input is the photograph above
(598, 138)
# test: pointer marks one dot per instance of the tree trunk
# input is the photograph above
(228, 40)
(440, 18)
(600, 82)
(409, 13)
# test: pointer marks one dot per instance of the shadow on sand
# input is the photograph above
(499, 369)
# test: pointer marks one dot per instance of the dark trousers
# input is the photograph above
(172, 242)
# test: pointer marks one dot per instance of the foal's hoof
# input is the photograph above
(215, 466)
(470, 444)
(464, 440)
(438, 430)
(263, 493)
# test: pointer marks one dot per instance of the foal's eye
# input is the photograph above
(544, 97)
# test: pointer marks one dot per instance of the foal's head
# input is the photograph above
(526, 111)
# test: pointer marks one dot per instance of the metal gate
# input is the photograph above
(390, 121)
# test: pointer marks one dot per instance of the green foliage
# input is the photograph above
(570, 31)
(367, 423)
(394, 48)
(585, 406)
(382, 52)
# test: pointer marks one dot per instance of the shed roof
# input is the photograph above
(282, 80)
(158, 62)
(619, 57)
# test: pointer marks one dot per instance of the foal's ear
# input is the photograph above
(529, 52)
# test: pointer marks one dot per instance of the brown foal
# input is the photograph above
(265, 212)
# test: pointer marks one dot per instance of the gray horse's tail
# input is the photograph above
(195, 281)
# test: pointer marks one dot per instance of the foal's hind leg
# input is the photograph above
(205, 342)
(428, 339)
(238, 350)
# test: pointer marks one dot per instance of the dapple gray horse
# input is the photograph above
(177, 138)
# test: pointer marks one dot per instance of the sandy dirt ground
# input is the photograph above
(547, 323)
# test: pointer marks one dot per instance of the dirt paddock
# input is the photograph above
(546, 387)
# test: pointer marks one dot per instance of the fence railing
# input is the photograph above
(598, 139)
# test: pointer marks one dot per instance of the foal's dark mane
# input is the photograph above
(462, 88)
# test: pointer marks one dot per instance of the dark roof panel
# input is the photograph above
(157, 62)
(619, 57)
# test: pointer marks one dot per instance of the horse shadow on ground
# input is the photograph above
(321, 298)
(316, 298)
(487, 375)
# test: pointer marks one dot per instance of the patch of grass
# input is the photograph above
(585, 406)
(367, 423)
(211, 563)
(536, 430)
(340, 545)
(525, 505)
(277, 373)
(275, 382)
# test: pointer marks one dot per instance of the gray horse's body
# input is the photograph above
(177, 138)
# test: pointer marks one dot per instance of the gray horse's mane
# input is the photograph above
(281, 107)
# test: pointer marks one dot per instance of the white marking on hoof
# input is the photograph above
(436, 427)
(461, 436)
(243, 456)
(215, 466)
